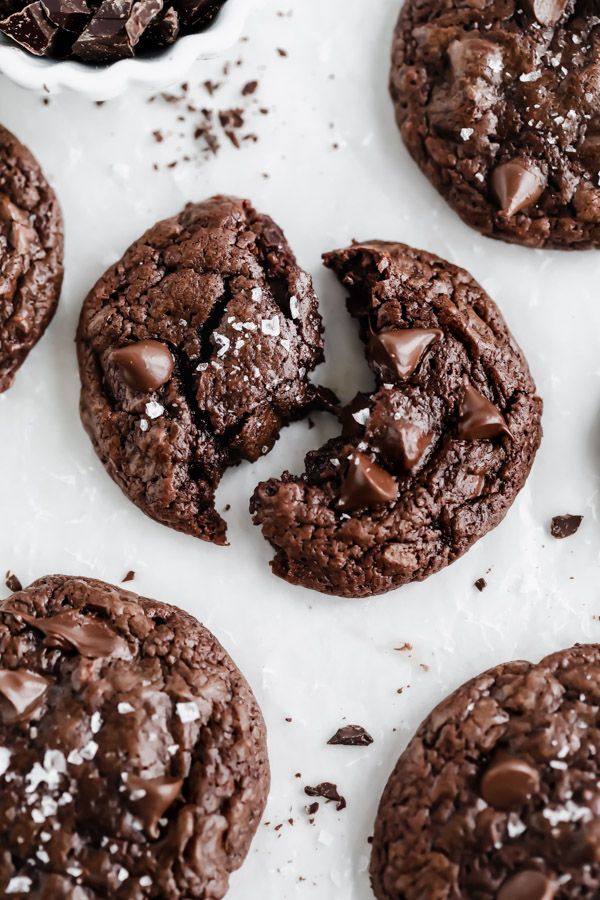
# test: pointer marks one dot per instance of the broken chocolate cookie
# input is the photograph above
(433, 458)
(194, 350)
(133, 758)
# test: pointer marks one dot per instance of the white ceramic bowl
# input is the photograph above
(105, 82)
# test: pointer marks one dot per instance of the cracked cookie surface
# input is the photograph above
(194, 350)
(433, 458)
(498, 104)
(496, 797)
(31, 255)
(132, 751)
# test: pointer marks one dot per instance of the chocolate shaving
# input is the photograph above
(327, 791)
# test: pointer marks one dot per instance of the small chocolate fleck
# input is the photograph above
(481, 584)
(351, 736)
(12, 582)
(129, 577)
(565, 526)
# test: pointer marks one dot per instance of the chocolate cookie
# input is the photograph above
(102, 31)
(498, 104)
(433, 458)
(132, 752)
(496, 797)
(31, 255)
(194, 350)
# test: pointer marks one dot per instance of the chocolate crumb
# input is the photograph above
(158, 136)
(129, 577)
(481, 584)
(282, 52)
(565, 526)
(351, 736)
(404, 646)
(312, 808)
(249, 88)
(12, 582)
(329, 792)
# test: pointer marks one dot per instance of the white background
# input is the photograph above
(318, 660)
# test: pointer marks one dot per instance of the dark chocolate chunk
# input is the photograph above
(329, 792)
(105, 38)
(142, 15)
(366, 485)
(508, 782)
(479, 419)
(69, 629)
(23, 690)
(565, 526)
(145, 366)
(72, 15)
(351, 736)
(31, 28)
(481, 584)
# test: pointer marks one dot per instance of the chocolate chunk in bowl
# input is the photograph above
(104, 31)
(132, 752)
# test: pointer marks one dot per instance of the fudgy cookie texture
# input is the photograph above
(497, 797)
(194, 351)
(132, 751)
(433, 458)
(31, 255)
(498, 103)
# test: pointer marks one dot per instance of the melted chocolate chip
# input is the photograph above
(517, 184)
(565, 526)
(354, 416)
(547, 12)
(24, 691)
(528, 885)
(145, 366)
(403, 443)
(151, 797)
(351, 736)
(328, 791)
(399, 352)
(509, 781)
(366, 484)
(479, 419)
(69, 629)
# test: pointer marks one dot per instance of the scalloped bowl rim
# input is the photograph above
(105, 82)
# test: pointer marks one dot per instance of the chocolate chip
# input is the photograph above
(517, 184)
(402, 443)
(31, 29)
(351, 736)
(366, 485)
(565, 526)
(479, 419)
(329, 792)
(508, 781)
(527, 885)
(145, 365)
(12, 582)
(70, 630)
(399, 352)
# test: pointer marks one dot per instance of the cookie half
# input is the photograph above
(433, 458)
(194, 350)
(497, 794)
(497, 103)
(132, 751)
(31, 255)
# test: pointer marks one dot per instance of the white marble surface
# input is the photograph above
(315, 659)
